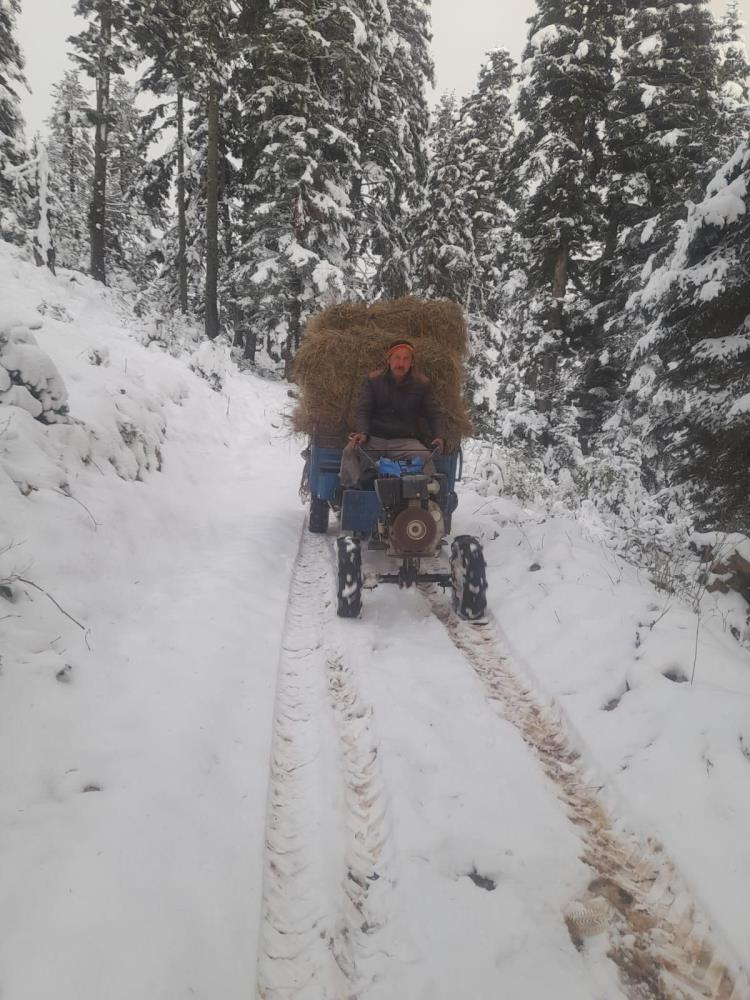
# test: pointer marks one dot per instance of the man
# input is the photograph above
(391, 403)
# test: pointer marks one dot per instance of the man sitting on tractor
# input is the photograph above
(391, 403)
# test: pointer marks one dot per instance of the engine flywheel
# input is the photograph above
(414, 530)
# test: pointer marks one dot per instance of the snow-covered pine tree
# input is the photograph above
(660, 136)
(392, 138)
(103, 49)
(693, 383)
(191, 46)
(14, 203)
(162, 31)
(733, 77)
(130, 231)
(299, 167)
(661, 127)
(71, 159)
(45, 209)
(485, 134)
(443, 260)
(566, 81)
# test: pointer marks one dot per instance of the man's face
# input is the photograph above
(400, 362)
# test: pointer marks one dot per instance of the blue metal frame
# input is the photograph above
(324, 471)
(360, 508)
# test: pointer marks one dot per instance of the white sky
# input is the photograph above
(463, 32)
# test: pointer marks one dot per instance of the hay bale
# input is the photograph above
(439, 320)
(345, 343)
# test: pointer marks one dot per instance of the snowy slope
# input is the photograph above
(148, 884)
(211, 786)
(618, 655)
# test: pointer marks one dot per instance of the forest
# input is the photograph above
(241, 164)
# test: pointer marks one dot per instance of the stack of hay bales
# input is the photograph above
(346, 342)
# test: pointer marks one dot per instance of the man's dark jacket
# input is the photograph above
(391, 409)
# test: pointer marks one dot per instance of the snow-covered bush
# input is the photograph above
(176, 334)
(502, 468)
(604, 492)
(213, 362)
(641, 525)
(29, 378)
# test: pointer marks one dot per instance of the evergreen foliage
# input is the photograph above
(44, 207)
(558, 156)
(14, 203)
(393, 144)
(660, 141)
(485, 135)
(733, 76)
(297, 214)
(130, 230)
(692, 387)
(71, 158)
(102, 51)
(441, 233)
(162, 32)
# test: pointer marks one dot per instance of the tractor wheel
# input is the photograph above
(468, 577)
(350, 577)
(319, 511)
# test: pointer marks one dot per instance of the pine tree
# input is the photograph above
(14, 205)
(45, 209)
(661, 128)
(443, 259)
(485, 135)
(692, 387)
(129, 234)
(563, 94)
(733, 74)
(298, 172)
(660, 139)
(163, 34)
(392, 138)
(101, 52)
(72, 166)
(192, 47)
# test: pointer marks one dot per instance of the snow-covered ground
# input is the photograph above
(209, 788)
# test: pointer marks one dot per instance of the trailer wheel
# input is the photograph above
(468, 577)
(350, 577)
(319, 511)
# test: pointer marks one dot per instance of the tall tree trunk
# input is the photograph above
(549, 360)
(98, 211)
(212, 211)
(181, 221)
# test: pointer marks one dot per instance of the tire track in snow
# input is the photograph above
(369, 859)
(294, 960)
(661, 943)
(318, 943)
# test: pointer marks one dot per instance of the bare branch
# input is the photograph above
(46, 593)
(80, 504)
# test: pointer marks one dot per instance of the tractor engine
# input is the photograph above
(414, 524)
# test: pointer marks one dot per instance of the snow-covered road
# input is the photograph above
(433, 833)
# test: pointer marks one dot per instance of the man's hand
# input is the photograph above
(358, 439)
(438, 446)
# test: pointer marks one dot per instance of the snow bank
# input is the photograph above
(656, 686)
(145, 534)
